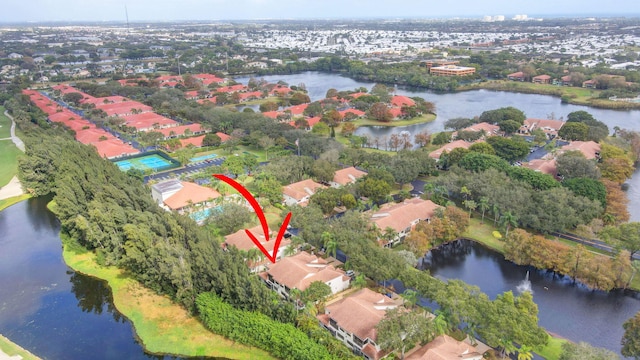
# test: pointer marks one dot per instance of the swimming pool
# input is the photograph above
(153, 162)
(202, 215)
(203, 158)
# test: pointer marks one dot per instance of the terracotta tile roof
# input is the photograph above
(589, 149)
(401, 101)
(123, 108)
(488, 128)
(445, 347)
(271, 114)
(90, 136)
(348, 175)
(241, 240)
(113, 148)
(211, 100)
(105, 100)
(542, 77)
(297, 109)
(403, 215)
(147, 120)
(448, 147)
(396, 112)
(357, 95)
(300, 270)
(313, 120)
(361, 312)
(250, 95)
(518, 74)
(548, 126)
(195, 141)
(301, 189)
(356, 112)
(223, 137)
(179, 130)
(231, 88)
(190, 193)
(545, 166)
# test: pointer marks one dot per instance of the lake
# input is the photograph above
(469, 104)
(567, 309)
(45, 306)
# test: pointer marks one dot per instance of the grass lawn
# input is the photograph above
(240, 150)
(162, 326)
(5, 124)
(553, 350)
(483, 233)
(8, 161)
(5, 203)
(12, 349)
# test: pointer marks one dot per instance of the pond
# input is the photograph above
(567, 309)
(46, 307)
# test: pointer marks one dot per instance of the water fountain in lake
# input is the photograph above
(525, 285)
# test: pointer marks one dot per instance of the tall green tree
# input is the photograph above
(401, 330)
(631, 338)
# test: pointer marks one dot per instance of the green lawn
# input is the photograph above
(8, 161)
(553, 350)
(12, 349)
(162, 326)
(5, 124)
(483, 233)
(5, 203)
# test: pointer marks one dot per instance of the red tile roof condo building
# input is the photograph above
(403, 217)
(299, 193)
(353, 320)
(242, 242)
(300, 270)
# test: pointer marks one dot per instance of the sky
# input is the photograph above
(176, 10)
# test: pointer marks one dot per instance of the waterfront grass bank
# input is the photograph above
(162, 326)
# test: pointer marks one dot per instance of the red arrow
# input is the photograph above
(263, 220)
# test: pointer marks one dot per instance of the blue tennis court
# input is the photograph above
(149, 162)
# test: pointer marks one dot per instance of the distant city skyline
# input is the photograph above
(14, 11)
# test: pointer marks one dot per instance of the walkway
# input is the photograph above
(13, 188)
(16, 140)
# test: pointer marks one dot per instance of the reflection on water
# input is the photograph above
(565, 308)
(46, 307)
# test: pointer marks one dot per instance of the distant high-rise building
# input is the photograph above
(498, 18)
(520, 17)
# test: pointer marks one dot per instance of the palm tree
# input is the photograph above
(507, 220)
(295, 295)
(440, 323)
(470, 205)
(359, 282)
(389, 234)
(410, 297)
(496, 212)
(525, 353)
(331, 247)
(483, 204)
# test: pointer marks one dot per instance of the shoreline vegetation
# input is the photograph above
(572, 95)
(162, 326)
(11, 349)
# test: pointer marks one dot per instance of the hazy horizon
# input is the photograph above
(39, 11)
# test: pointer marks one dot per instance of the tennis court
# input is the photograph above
(203, 158)
(149, 162)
